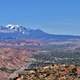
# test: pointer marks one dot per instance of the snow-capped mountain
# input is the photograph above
(13, 28)
(17, 32)
(16, 27)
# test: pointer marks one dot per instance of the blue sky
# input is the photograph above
(52, 16)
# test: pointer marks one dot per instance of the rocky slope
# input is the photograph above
(50, 72)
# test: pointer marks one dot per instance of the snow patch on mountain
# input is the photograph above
(11, 26)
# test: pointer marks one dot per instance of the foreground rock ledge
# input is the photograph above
(50, 72)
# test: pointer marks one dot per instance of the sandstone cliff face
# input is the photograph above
(12, 59)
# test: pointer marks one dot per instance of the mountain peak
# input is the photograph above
(11, 26)
(17, 28)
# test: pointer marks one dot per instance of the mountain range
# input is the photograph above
(17, 32)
